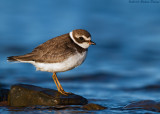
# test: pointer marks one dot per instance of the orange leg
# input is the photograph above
(59, 87)
(53, 76)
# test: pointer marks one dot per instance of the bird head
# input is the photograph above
(82, 38)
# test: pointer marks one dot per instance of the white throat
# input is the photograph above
(83, 45)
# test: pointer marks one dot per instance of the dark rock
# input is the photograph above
(4, 94)
(29, 95)
(92, 106)
(4, 103)
(145, 104)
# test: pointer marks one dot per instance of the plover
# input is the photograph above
(59, 54)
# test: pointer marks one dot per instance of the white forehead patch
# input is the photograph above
(84, 44)
(86, 38)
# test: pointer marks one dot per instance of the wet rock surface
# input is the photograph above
(93, 106)
(29, 95)
(145, 104)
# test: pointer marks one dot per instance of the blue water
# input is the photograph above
(127, 54)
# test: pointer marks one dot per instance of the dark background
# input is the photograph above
(127, 54)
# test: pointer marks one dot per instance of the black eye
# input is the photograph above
(81, 38)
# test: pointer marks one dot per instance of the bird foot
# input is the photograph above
(64, 93)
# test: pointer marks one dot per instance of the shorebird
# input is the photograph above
(59, 54)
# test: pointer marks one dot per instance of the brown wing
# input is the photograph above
(53, 51)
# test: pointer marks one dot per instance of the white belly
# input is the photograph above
(68, 64)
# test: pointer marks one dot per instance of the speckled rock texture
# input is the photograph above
(92, 106)
(29, 95)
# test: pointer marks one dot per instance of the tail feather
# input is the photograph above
(27, 57)
(12, 58)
